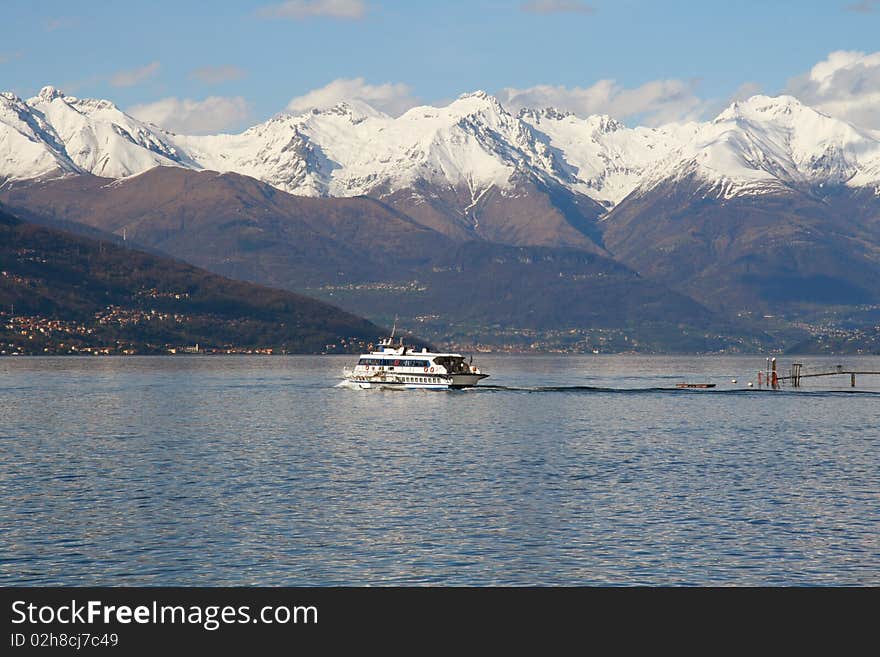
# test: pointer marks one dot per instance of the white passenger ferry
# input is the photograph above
(398, 366)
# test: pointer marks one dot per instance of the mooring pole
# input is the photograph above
(852, 380)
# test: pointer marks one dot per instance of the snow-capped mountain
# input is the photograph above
(454, 156)
(29, 146)
(604, 159)
(351, 149)
(771, 203)
(52, 134)
(437, 164)
(768, 145)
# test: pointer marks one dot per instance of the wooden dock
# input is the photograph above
(797, 374)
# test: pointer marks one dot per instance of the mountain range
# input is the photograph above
(771, 208)
(472, 145)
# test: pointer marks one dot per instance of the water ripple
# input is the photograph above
(249, 471)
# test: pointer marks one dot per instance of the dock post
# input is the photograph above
(852, 380)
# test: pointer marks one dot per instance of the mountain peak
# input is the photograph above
(479, 93)
(760, 101)
(50, 93)
(763, 107)
(480, 98)
(475, 103)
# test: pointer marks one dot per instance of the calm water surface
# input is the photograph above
(240, 471)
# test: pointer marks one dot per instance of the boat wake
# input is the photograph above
(348, 385)
(587, 389)
(664, 389)
(584, 389)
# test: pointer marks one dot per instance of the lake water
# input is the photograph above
(259, 471)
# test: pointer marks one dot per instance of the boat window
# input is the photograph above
(393, 362)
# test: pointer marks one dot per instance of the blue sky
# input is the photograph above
(262, 54)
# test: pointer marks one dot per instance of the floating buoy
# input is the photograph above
(750, 384)
(733, 380)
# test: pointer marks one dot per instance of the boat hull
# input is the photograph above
(445, 382)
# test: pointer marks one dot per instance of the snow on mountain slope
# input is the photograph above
(471, 146)
(473, 142)
(54, 134)
(29, 146)
(765, 145)
(101, 139)
(351, 149)
(291, 151)
(606, 159)
(753, 147)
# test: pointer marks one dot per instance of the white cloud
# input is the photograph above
(302, 9)
(134, 76)
(391, 98)
(557, 7)
(218, 74)
(653, 103)
(195, 117)
(846, 84)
